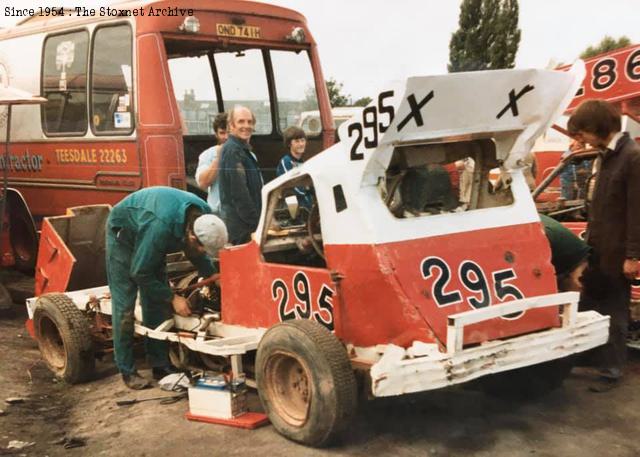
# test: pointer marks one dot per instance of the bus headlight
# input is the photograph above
(191, 24)
(296, 35)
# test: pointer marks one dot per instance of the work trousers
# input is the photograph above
(120, 250)
(609, 296)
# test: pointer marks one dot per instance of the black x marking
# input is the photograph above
(513, 98)
(415, 110)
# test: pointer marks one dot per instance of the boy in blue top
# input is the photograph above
(296, 141)
(141, 230)
(208, 164)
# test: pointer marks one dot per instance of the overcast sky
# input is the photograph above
(364, 43)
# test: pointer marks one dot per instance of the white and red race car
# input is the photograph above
(394, 277)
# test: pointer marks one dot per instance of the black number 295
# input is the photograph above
(372, 125)
(474, 280)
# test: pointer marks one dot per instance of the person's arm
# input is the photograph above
(284, 165)
(280, 170)
(242, 201)
(208, 166)
(204, 265)
(632, 244)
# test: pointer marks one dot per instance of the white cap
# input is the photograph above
(211, 232)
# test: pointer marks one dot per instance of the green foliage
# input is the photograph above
(487, 37)
(364, 101)
(336, 97)
(606, 44)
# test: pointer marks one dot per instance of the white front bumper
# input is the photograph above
(421, 368)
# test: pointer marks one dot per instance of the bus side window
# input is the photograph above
(111, 80)
(64, 83)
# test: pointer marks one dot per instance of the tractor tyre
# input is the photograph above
(306, 383)
(64, 338)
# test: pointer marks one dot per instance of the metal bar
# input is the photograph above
(236, 366)
(568, 301)
(550, 177)
(5, 180)
(566, 210)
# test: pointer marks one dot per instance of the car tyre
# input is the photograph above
(306, 383)
(64, 338)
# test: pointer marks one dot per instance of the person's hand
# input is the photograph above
(630, 268)
(576, 146)
(181, 305)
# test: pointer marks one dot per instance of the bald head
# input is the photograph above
(241, 122)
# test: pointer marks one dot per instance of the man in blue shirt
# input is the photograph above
(141, 230)
(208, 164)
(240, 178)
(296, 141)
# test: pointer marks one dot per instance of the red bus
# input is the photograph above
(132, 90)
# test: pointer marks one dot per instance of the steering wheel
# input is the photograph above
(313, 227)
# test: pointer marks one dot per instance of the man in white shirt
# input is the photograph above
(208, 163)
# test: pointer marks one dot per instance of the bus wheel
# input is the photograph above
(305, 382)
(64, 338)
(24, 241)
(529, 382)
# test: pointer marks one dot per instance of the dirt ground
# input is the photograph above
(453, 422)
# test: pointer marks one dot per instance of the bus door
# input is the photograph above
(277, 85)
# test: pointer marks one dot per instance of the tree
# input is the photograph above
(606, 44)
(336, 97)
(364, 101)
(487, 37)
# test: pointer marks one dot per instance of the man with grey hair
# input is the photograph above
(240, 178)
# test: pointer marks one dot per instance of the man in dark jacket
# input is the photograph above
(141, 230)
(613, 230)
(240, 178)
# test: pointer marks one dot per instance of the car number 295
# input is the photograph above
(475, 282)
(302, 306)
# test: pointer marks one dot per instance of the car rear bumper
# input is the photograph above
(421, 368)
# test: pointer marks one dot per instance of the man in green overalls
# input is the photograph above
(141, 230)
(569, 254)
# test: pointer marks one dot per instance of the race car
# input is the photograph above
(393, 282)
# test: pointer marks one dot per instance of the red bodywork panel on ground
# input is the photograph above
(397, 292)
(55, 262)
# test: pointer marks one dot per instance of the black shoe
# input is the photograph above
(135, 381)
(604, 384)
(161, 372)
